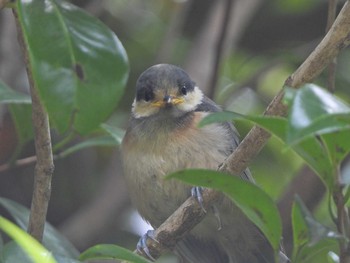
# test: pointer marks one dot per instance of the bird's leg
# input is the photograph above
(196, 192)
(142, 244)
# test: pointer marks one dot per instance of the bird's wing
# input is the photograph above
(193, 250)
(208, 105)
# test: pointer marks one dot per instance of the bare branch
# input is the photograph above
(190, 213)
(17, 163)
(44, 166)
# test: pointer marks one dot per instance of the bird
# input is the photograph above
(163, 137)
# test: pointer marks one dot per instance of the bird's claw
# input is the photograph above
(142, 247)
(196, 192)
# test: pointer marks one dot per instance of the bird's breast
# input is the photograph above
(147, 159)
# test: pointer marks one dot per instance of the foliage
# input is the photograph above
(80, 69)
(83, 87)
(107, 251)
(32, 247)
(317, 128)
(259, 207)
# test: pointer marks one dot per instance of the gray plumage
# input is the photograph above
(163, 139)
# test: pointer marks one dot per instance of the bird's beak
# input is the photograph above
(167, 100)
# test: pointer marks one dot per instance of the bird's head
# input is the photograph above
(165, 90)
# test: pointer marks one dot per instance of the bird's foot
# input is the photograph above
(142, 247)
(196, 192)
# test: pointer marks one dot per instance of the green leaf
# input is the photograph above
(79, 66)
(52, 240)
(8, 95)
(106, 251)
(318, 252)
(253, 201)
(222, 116)
(316, 156)
(338, 145)
(107, 141)
(276, 125)
(13, 253)
(310, 149)
(315, 230)
(314, 111)
(300, 230)
(115, 132)
(31, 246)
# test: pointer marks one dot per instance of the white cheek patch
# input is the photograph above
(192, 100)
(143, 109)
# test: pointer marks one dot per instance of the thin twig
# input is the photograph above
(18, 163)
(219, 48)
(332, 9)
(190, 213)
(44, 166)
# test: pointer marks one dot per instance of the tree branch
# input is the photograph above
(190, 213)
(44, 166)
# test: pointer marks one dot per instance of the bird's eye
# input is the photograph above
(184, 90)
(148, 96)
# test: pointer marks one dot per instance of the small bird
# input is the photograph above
(163, 137)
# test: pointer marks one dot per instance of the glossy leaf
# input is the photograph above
(311, 149)
(338, 145)
(300, 230)
(312, 240)
(8, 95)
(314, 153)
(30, 245)
(318, 252)
(276, 125)
(79, 66)
(106, 251)
(253, 201)
(314, 111)
(303, 219)
(52, 240)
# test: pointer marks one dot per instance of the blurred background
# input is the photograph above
(239, 52)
